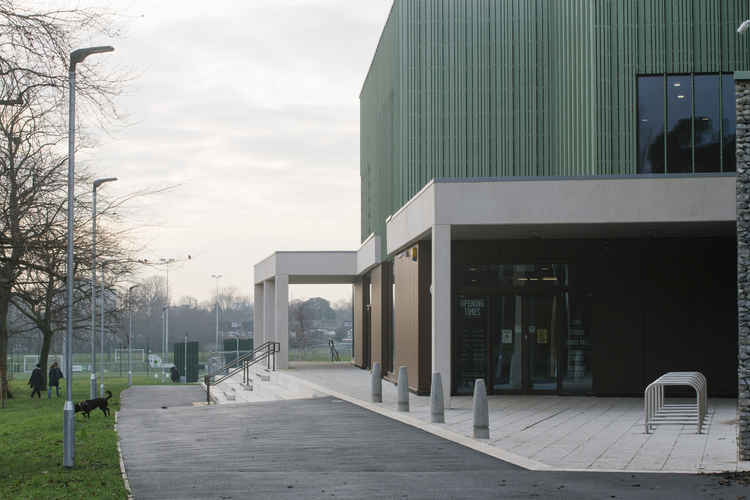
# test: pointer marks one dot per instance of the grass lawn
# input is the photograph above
(31, 445)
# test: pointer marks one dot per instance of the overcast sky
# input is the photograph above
(251, 108)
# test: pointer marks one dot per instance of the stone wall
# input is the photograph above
(743, 265)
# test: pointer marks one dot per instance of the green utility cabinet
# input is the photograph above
(192, 359)
(235, 345)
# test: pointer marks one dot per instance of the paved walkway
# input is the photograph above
(565, 433)
(328, 448)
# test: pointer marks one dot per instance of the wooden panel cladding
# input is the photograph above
(358, 338)
(424, 260)
(413, 315)
(376, 315)
(406, 272)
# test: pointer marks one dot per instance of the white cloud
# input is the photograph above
(252, 109)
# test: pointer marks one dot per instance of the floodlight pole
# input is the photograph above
(68, 430)
(130, 334)
(217, 277)
(96, 184)
(101, 334)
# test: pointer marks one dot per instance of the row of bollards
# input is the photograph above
(437, 405)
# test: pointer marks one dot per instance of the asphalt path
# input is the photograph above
(329, 448)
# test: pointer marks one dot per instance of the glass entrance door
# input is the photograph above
(541, 335)
(524, 343)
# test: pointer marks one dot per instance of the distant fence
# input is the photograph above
(320, 352)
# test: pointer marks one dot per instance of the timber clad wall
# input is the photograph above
(407, 317)
(358, 313)
(376, 317)
(492, 88)
(413, 315)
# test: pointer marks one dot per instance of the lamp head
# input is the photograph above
(79, 55)
(99, 182)
(744, 26)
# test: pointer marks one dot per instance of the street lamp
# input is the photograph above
(217, 277)
(76, 57)
(96, 184)
(130, 335)
(166, 262)
(101, 331)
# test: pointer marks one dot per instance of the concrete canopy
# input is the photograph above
(274, 274)
(579, 207)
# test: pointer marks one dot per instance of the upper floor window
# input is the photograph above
(686, 123)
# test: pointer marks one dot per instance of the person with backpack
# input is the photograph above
(55, 374)
(36, 382)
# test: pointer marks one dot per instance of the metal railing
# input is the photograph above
(264, 352)
(658, 412)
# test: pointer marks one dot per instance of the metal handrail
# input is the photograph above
(248, 355)
(264, 352)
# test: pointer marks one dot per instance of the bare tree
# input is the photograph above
(34, 49)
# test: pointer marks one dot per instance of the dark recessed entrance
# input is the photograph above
(517, 331)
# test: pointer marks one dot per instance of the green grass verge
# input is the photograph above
(31, 445)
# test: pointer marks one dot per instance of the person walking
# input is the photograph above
(55, 374)
(35, 381)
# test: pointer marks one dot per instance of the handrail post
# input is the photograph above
(207, 381)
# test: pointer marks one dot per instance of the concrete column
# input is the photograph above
(258, 333)
(269, 312)
(282, 320)
(742, 89)
(441, 307)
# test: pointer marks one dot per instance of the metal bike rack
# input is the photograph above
(658, 412)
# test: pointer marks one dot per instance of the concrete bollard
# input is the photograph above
(376, 384)
(403, 389)
(437, 411)
(481, 412)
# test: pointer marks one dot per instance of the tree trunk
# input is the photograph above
(43, 355)
(4, 389)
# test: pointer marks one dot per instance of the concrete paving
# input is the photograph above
(328, 448)
(563, 433)
(152, 397)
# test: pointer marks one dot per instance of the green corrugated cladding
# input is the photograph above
(483, 88)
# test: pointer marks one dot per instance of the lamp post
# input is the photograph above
(166, 262)
(101, 331)
(76, 57)
(163, 330)
(217, 277)
(130, 335)
(96, 184)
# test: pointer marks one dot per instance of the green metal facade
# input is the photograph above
(494, 88)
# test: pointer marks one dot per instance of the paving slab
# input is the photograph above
(564, 432)
(150, 397)
(329, 448)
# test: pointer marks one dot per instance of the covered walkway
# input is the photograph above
(273, 275)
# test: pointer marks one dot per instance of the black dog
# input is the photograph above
(92, 404)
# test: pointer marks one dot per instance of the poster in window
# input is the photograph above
(507, 336)
(542, 336)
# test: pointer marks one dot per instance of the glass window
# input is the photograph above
(707, 125)
(728, 122)
(693, 130)
(650, 124)
(679, 109)
(471, 349)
